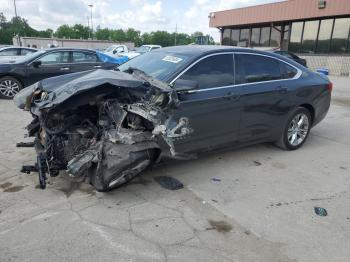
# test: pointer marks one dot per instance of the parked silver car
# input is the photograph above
(12, 53)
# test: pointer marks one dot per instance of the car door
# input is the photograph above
(264, 95)
(84, 60)
(51, 64)
(213, 108)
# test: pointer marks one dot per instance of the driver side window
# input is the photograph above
(213, 71)
(55, 58)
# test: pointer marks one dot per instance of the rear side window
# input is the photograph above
(27, 51)
(287, 71)
(84, 57)
(256, 68)
(213, 71)
(9, 52)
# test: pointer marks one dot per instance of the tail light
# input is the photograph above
(330, 87)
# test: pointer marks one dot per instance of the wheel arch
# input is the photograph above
(311, 109)
(17, 77)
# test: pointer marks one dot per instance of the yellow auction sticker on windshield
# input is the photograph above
(172, 59)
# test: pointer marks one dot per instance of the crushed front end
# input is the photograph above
(104, 127)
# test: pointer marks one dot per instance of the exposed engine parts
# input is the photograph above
(104, 126)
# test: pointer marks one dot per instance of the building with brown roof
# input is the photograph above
(316, 29)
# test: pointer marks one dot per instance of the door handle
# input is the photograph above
(282, 89)
(97, 66)
(64, 68)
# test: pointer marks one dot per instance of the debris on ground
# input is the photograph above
(220, 226)
(169, 182)
(216, 179)
(257, 163)
(320, 211)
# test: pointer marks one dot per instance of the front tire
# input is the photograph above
(9, 87)
(297, 130)
(111, 178)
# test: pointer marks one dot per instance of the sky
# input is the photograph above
(143, 15)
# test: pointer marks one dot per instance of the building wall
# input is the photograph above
(336, 64)
(43, 43)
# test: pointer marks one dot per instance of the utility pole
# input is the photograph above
(175, 33)
(89, 26)
(18, 39)
(14, 3)
(92, 26)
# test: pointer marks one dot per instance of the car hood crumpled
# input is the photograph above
(61, 88)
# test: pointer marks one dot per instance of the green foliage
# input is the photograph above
(72, 32)
(21, 27)
(18, 26)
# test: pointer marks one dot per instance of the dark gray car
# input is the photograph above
(52, 62)
(178, 102)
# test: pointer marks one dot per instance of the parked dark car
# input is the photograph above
(49, 63)
(107, 126)
(292, 56)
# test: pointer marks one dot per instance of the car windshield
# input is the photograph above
(110, 49)
(143, 49)
(30, 57)
(159, 65)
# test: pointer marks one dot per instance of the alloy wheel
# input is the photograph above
(298, 129)
(9, 88)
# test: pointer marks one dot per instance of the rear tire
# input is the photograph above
(297, 130)
(9, 87)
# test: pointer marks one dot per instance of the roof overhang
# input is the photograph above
(280, 11)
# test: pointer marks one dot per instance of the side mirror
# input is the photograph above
(185, 85)
(114, 52)
(36, 64)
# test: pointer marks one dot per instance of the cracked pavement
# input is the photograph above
(259, 209)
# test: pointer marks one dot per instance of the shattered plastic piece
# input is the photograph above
(25, 144)
(320, 211)
(169, 182)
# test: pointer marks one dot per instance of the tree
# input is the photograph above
(118, 35)
(103, 34)
(146, 38)
(80, 31)
(133, 35)
(64, 31)
(2, 21)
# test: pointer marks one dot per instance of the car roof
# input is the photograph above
(196, 51)
(19, 47)
(152, 45)
(68, 49)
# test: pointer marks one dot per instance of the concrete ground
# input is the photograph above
(261, 210)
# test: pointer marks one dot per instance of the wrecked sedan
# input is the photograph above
(107, 126)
